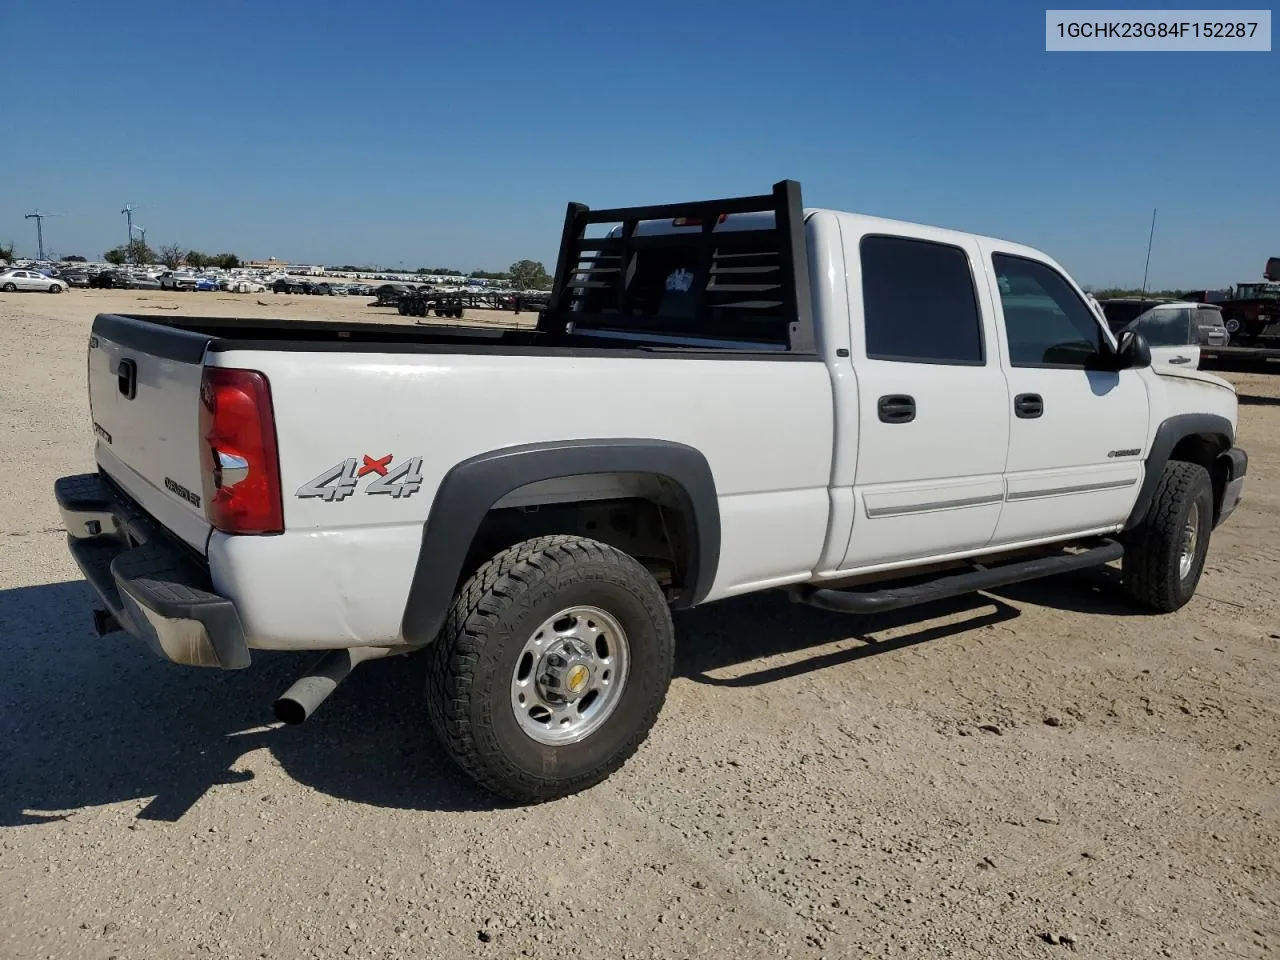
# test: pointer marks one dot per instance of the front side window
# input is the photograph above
(1166, 327)
(919, 302)
(1046, 321)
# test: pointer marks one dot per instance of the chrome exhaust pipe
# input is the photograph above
(311, 689)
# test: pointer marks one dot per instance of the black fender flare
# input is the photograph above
(471, 488)
(1168, 435)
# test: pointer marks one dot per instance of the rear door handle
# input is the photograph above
(1028, 406)
(1180, 360)
(896, 408)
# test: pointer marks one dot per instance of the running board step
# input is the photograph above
(894, 598)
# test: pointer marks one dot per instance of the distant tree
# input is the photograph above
(225, 261)
(529, 275)
(139, 252)
(134, 252)
(488, 275)
(171, 256)
(6, 251)
(197, 259)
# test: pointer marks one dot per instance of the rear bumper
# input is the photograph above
(1236, 462)
(156, 590)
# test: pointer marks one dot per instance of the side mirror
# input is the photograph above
(1133, 351)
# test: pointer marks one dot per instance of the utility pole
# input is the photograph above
(38, 217)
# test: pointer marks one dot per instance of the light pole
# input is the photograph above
(38, 217)
(128, 213)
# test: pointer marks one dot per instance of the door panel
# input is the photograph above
(933, 431)
(1075, 466)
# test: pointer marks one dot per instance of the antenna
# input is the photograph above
(1150, 239)
(38, 217)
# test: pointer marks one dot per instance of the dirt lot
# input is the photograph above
(1027, 773)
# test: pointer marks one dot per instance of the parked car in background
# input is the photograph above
(177, 280)
(1175, 329)
(207, 284)
(389, 294)
(243, 285)
(290, 285)
(140, 281)
(109, 280)
(12, 280)
(76, 278)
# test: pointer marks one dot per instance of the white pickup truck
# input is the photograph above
(721, 397)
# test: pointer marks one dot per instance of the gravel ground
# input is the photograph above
(1027, 773)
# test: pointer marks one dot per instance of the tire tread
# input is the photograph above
(492, 591)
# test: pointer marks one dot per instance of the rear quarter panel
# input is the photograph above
(340, 574)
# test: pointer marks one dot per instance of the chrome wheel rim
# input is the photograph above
(1190, 536)
(569, 676)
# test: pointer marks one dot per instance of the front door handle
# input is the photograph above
(1180, 359)
(1028, 406)
(896, 408)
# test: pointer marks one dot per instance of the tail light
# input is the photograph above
(238, 459)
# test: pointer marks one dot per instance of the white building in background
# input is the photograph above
(284, 266)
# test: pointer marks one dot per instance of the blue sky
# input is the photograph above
(454, 133)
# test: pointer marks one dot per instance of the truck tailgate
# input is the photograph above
(144, 396)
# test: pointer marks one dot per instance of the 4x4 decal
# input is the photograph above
(341, 480)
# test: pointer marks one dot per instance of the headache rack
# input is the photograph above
(687, 274)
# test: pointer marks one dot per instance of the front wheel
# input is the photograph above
(55, 288)
(1164, 555)
(551, 667)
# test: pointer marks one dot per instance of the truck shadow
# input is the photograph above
(88, 721)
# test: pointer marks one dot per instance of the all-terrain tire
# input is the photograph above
(1152, 570)
(476, 654)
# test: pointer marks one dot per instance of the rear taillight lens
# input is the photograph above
(238, 458)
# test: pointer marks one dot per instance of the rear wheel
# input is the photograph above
(1164, 555)
(10, 287)
(551, 667)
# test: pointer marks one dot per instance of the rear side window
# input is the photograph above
(919, 302)
(1047, 323)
